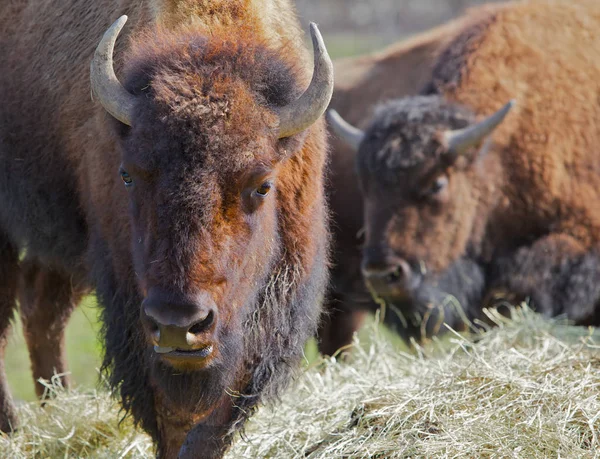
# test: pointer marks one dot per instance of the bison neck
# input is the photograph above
(505, 220)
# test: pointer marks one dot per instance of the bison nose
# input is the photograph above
(387, 276)
(178, 321)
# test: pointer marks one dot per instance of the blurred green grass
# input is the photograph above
(83, 352)
(350, 44)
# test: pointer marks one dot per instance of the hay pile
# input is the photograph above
(528, 388)
(74, 425)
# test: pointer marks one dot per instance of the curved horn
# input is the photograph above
(105, 86)
(299, 115)
(460, 139)
(348, 133)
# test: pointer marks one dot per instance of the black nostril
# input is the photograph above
(401, 274)
(203, 324)
(153, 328)
(394, 276)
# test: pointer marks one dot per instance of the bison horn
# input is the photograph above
(105, 86)
(350, 134)
(301, 114)
(459, 140)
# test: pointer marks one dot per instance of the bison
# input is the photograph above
(361, 83)
(187, 191)
(470, 200)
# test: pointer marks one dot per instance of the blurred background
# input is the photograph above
(357, 26)
(350, 27)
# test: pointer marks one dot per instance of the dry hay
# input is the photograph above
(528, 388)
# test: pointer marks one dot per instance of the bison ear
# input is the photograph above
(348, 133)
(460, 140)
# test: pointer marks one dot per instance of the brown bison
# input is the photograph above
(189, 196)
(361, 83)
(467, 205)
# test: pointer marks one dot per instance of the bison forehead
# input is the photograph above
(208, 99)
(421, 110)
(201, 136)
(215, 98)
(404, 134)
(217, 113)
(193, 121)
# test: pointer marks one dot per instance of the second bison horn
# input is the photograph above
(350, 134)
(459, 140)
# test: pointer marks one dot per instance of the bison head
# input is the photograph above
(205, 127)
(425, 187)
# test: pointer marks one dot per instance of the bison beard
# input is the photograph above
(274, 332)
(198, 391)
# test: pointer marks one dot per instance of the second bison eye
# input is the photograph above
(127, 180)
(437, 190)
(264, 189)
(438, 185)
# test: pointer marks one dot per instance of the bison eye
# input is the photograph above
(264, 189)
(438, 185)
(127, 180)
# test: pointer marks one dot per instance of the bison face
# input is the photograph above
(202, 184)
(204, 230)
(425, 185)
(204, 128)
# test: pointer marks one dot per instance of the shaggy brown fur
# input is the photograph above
(361, 83)
(524, 207)
(207, 76)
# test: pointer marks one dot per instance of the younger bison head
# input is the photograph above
(206, 127)
(420, 171)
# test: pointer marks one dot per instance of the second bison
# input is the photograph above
(453, 212)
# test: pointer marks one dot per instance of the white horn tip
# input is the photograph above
(317, 39)
(332, 114)
(314, 29)
(299, 115)
(507, 108)
(118, 24)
